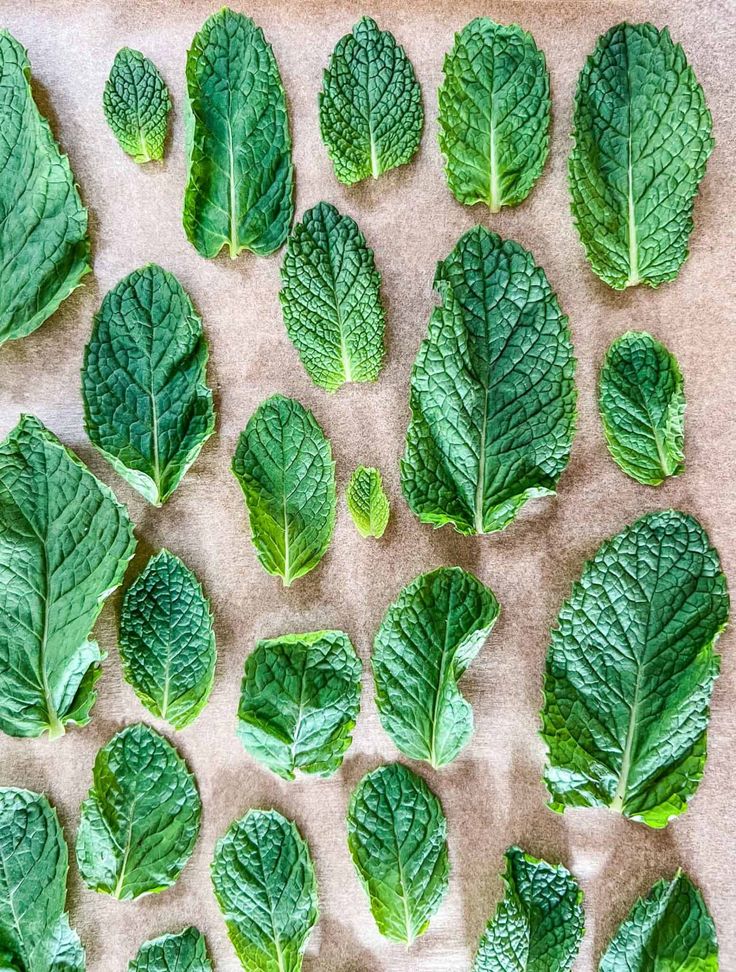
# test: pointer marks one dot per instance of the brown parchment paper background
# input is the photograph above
(492, 794)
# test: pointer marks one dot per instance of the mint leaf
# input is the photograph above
(642, 406)
(630, 671)
(185, 952)
(370, 107)
(397, 836)
(43, 229)
(429, 636)
(137, 104)
(299, 701)
(34, 928)
(240, 176)
(65, 542)
(167, 645)
(670, 929)
(642, 134)
(284, 465)
(140, 822)
(265, 886)
(367, 502)
(146, 402)
(538, 925)
(494, 114)
(331, 299)
(492, 391)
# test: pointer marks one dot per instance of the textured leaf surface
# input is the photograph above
(147, 405)
(630, 671)
(299, 701)
(642, 135)
(370, 107)
(137, 104)
(240, 175)
(492, 391)
(34, 929)
(43, 224)
(185, 952)
(167, 644)
(284, 464)
(642, 405)
(65, 542)
(429, 636)
(331, 299)
(266, 889)
(397, 835)
(367, 502)
(670, 929)
(538, 925)
(140, 821)
(494, 114)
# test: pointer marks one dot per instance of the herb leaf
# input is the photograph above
(137, 104)
(630, 671)
(367, 502)
(185, 952)
(429, 636)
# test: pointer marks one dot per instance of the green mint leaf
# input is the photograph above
(167, 644)
(140, 822)
(397, 836)
(34, 928)
(136, 103)
(642, 405)
(265, 886)
(642, 137)
(299, 701)
(670, 929)
(65, 542)
(367, 502)
(492, 390)
(429, 636)
(43, 230)
(284, 465)
(185, 952)
(370, 107)
(146, 402)
(331, 299)
(539, 923)
(494, 114)
(240, 174)
(630, 671)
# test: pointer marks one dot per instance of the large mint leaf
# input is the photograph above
(367, 502)
(137, 104)
(240, 175)
(147, 405)
(642, 134)
(429, 636)
(494, 113)
(43, 224)
(34, 929)
(492, 391)
(65, 542)
(630, 672)
(185, 952)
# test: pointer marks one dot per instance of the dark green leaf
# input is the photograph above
(185, 952)
(137, 104)
(367, 502)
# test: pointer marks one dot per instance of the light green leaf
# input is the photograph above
(34, 928)
(492, 391)
(370, 107)
(265, 886)
(65, 542)
(642, 134)
(137, 104)
(367, 502)
(642, 405)
(299, 701)
(146, 402)
(167, 645)
(43, 224)
(630, 671)
(538, 925)
(429, 636)
(494, 114)
(240, 175)
(284, 465)
(140, 822)
(185, 952)
(331, 299)
(397, 835)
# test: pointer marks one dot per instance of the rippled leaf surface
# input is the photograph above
(185, 952)
(137, 104)
(367, 502)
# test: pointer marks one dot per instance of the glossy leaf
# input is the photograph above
(185, 952)
(367, 502)
(137, 104)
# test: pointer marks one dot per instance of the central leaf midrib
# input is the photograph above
(344, 350)
(633, 277)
